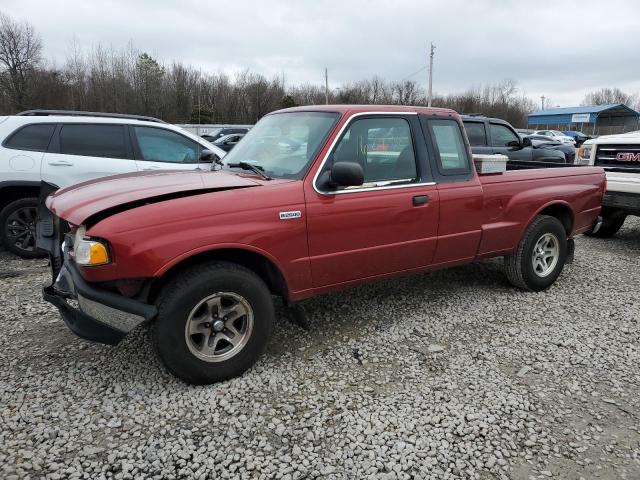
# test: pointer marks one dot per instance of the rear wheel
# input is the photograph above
(213, 322)
(540, 256)
(612, 221)
(18, 228)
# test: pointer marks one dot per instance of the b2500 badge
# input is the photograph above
(290, 215)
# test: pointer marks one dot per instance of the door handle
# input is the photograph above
(420, 200)
(151, 168)
(61, 163)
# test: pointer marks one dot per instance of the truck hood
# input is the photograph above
(629, 137)
(77, 203)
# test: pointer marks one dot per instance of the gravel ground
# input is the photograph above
(452, 374)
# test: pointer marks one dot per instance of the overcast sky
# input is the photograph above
(559, 49)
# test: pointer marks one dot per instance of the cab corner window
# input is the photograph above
(161, 145)
(383, 147)
(34, 137)
(451, 153)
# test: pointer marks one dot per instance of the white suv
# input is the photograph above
(64, 148)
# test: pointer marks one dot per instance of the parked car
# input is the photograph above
(540, 142)
(557, 135)
(64, 148)
(619, 155)
(200, 254)
(496, 136)
(525, 131)
(221, 132)
(227, 142)
(579, 137)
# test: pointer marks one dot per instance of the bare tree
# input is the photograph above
(606, 96)
(20, 50)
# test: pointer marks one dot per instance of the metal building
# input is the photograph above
(592, 119)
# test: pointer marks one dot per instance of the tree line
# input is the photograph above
(131, 81)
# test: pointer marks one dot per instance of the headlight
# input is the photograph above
(90, 252)
(585, 152)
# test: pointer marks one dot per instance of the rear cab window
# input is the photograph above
(451, 158)
(34, 137)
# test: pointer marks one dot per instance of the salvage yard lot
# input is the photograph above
(453, 374)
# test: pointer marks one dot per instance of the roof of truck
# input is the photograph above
(371, 109)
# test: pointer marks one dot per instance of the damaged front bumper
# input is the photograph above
(90, 312)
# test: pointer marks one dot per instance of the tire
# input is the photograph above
(17, 228)
(612, 221)
(187, 307)
(528, 269)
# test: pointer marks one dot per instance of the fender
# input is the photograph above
(222, 246)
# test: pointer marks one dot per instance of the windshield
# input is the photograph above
(284, 144)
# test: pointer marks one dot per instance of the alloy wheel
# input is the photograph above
(219, 326)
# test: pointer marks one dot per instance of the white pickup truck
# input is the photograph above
(619, 155)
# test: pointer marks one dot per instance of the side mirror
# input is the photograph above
(526, 142)
(346, 174)
(207, 156)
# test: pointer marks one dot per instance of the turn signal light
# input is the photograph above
(91, 253)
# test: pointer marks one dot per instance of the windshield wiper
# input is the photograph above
(257, 169)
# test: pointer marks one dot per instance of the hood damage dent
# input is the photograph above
(108, 212)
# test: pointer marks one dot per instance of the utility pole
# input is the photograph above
(326, 86)
(542, 98)
(431, 52)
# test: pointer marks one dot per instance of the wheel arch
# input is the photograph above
(560, 210)
(256, 261)
(15, 190)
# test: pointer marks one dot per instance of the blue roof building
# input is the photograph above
(595, 119)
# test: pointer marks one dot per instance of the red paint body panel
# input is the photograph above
(340, 240)
(79, 202)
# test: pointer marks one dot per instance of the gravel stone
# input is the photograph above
(524, 385)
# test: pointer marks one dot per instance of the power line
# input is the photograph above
(414, 73)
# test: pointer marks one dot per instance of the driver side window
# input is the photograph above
(501, 135)
(384, 149)
(160, 145)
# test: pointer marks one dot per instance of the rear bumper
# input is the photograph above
(92, 313)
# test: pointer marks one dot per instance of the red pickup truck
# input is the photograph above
(312, 200)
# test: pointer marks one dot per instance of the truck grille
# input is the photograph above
(619, 157)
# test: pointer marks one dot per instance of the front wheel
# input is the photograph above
(213, 322)
(540, 256)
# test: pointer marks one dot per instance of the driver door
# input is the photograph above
(501, 135)
(161, 149)
(390, 223)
